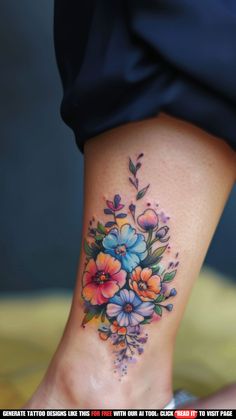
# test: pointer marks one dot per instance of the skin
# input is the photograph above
(191, 175)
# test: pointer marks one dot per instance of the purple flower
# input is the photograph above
(128, 309)
(142, 340)
(148, 220)
(161, 233)
(134, 330)
(116, 205)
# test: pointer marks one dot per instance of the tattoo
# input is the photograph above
(126, 285)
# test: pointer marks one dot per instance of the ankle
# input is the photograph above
(82, 377)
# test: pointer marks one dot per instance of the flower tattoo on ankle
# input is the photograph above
(128, 271)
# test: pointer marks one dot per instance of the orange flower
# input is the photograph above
(115, 328)
(145, 284)
(103, 335)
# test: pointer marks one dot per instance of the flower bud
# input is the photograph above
(162, 232)
(148, 220)
(173, 292)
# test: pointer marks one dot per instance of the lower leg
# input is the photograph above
(190, 175)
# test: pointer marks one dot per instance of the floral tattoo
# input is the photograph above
(126, 285)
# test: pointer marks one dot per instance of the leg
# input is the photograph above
(190, 175)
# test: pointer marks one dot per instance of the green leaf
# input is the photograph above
(87, 249)
(99, 237)
(132, 167)
(169, 276)
(155, 268)
(103, 316)
(146, 321)
(158, 310)
(95, 250)
(149, 261)
(160, 298)
(142, 192)
(101, 228)
(159, 251)
(91, 312)
(154, 258)
(89, 316)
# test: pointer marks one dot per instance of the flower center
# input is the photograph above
(128, 308)
(121, 250)
(101, 277)
(142, 286)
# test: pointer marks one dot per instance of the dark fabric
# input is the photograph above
(126, 60)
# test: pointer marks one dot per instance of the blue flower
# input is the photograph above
(126, 245)
(128, 309)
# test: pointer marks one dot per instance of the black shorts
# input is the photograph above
(127, 60)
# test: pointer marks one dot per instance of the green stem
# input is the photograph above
(149, 239)
(153, 241)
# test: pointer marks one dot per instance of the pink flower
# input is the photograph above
(112, 206)
(115, 205)
(102, 279)
(148, 220)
